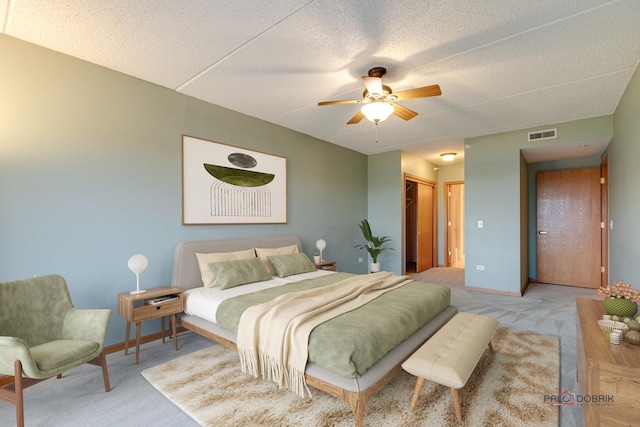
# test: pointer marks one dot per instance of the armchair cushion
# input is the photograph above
(58, 356)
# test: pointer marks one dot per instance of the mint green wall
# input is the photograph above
(492, 187)
(90, 174)
(493, 190)
(417, 166)
(624, 177)
(446, 173)
(384, 208)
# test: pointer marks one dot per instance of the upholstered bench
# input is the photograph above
(451, 354)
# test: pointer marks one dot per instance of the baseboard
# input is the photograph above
(114, 348)
(492, 291)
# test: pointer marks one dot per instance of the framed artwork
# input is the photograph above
(224, 184)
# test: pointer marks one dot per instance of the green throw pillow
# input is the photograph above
(238, 272)
(286, 265)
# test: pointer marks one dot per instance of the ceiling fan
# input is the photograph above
(379, 101)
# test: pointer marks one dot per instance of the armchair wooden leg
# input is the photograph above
(11, 390)
(19, 401)
(102, 362)
(105, 372)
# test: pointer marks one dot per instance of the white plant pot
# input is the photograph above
(316, 259)
(375, 267)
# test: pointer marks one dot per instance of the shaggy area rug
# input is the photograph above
(507, 388)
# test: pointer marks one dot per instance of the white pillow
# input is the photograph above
(208, 278)
(263, 253)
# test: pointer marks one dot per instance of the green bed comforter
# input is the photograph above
(351, 343)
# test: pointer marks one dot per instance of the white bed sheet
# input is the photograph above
(204, 302)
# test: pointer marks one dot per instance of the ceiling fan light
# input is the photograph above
(447, 157)
(377, 111)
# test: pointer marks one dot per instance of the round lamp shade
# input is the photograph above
(321, 244)
(138, 263)
(377, 111)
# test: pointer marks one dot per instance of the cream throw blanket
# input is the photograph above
(273, 337)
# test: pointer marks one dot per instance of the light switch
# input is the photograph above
(480, 223)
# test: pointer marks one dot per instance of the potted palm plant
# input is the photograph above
(374, 244)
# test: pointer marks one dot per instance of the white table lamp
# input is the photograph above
(137, 264)
(321, 244)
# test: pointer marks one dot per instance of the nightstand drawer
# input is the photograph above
(326, 265)
(150, 311)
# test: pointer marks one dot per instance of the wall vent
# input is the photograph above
(543, 134)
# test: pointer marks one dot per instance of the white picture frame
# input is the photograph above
(226, 184)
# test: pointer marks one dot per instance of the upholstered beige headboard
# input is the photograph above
(186, 273)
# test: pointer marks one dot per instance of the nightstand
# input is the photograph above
(150, 305)
(326, 265)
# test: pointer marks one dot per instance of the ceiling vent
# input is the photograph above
(543, 134)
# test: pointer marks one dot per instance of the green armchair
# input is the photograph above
(42, 335)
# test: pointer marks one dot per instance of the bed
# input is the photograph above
(356, 390)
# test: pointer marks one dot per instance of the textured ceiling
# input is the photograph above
(502, 65)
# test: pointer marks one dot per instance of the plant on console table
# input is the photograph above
(620, 299)
(374, 244)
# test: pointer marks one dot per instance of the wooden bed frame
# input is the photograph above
(356, 392)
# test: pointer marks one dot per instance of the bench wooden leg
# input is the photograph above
(456, 403)
(416, 393)
(491, 347)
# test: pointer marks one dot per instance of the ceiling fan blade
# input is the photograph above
(356, 119)
(373, 84)
(348, 101)
(403, 112)
(419, 92)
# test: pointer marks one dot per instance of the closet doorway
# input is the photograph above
(454, 230)
(420, 224)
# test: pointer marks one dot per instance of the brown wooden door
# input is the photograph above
(455, 225)
(425, 218)
(569, 233)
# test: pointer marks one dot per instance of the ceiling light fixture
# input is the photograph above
(377, 111)
(447, 157)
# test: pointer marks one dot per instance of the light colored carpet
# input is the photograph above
(507, 388)
(447, 276)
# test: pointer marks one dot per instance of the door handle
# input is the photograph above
(542, 232)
